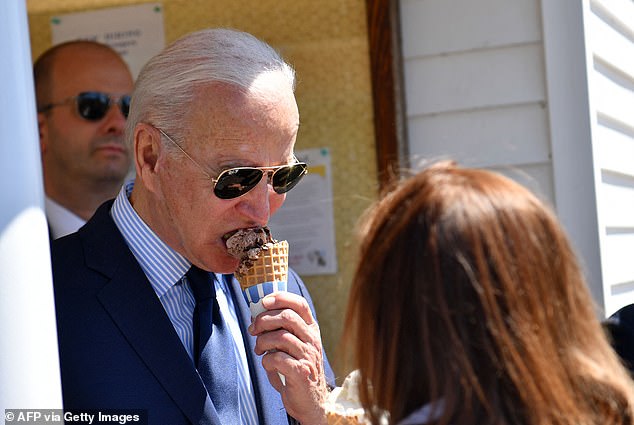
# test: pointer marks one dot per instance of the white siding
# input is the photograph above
(433, 27)
(473, 80)
(474, 86)
(525, 138)
(610, 37)
(543, 91)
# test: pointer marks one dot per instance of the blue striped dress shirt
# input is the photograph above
(165, 269)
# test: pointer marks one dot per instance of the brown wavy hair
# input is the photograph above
(468, 291)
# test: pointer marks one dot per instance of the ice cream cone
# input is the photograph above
(268, 274)
(271, 266)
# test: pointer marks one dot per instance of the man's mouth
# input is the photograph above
(229, 234)
(233, 232)
(111, 147)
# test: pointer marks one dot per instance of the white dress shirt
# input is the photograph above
(61, 220)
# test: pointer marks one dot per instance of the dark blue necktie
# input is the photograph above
(214, 352)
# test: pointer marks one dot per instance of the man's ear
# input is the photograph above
(42, 128)
(147, 150)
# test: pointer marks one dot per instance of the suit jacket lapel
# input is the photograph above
(268, 401)
(138, 313)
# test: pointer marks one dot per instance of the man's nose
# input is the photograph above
(114, 121)
(256, 204)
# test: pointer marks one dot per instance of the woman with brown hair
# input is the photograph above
(469, 307)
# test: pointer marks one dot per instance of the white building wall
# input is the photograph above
(542, 91)
(573, 166)
(475, 88)
(610, 42)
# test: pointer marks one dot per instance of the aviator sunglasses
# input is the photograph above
(93, 105)
(235, 182)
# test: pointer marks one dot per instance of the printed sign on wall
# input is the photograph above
(306, 219)
(136, 32)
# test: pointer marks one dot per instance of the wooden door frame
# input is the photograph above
(383, 19)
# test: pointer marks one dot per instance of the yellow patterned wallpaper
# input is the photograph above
(326, 42)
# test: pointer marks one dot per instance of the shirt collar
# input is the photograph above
(162, 265)
(61, 220)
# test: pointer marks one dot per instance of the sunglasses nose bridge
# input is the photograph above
(119, 102)
(115, 106)
(269, 176)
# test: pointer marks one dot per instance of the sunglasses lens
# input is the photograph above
(286, 178)
(124, 104)
(236, 182)
(92, 106)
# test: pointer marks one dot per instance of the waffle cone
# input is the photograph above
(338, 419)
(271, 265)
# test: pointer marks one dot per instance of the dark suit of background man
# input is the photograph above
(83, 91)
(212, 102)
(620, 329)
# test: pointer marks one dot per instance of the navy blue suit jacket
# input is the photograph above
(620, 328)
(118, 348)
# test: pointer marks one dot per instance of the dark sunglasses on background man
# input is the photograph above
(93, 105)
(235, 182)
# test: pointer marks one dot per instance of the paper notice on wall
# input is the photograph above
(136, 32)
(306, 220)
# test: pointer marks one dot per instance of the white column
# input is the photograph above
(29, 363)
(574, 171)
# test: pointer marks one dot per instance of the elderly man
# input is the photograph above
(212, 125)
(83, 97)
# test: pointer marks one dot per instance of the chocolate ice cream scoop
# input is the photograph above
(246, 245)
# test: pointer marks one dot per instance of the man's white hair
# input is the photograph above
(168, 83)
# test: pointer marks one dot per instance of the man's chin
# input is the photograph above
(115, 172)
(226, 265)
